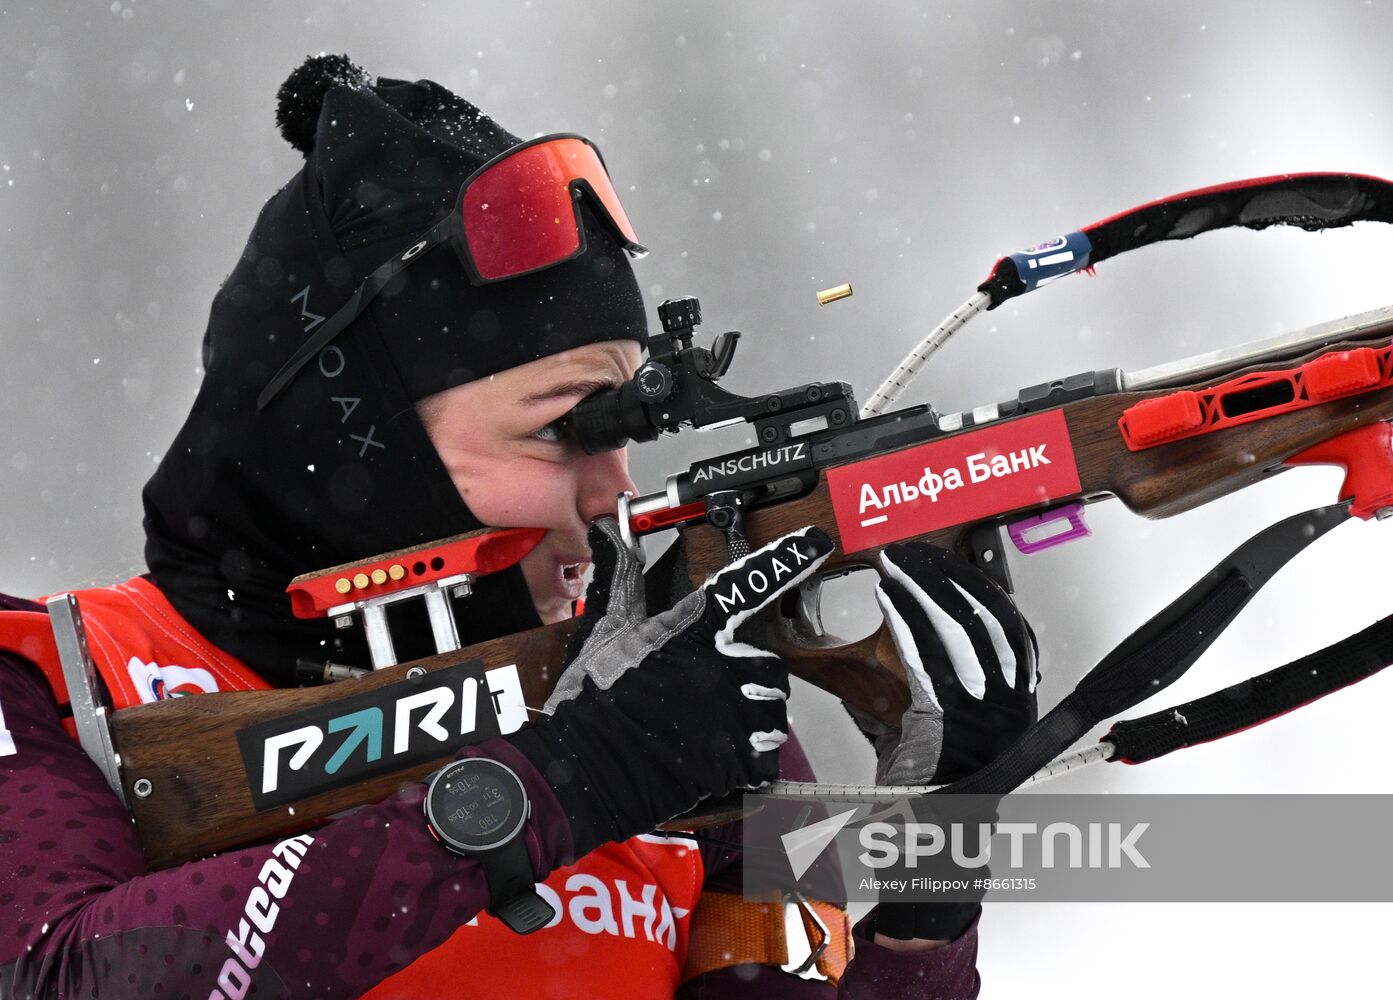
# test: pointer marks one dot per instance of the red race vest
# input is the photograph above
(621, 925)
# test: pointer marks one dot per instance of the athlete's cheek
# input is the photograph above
(527, 494)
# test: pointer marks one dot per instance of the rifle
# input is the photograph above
(207, 773)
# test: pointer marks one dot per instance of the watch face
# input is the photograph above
(476, 804)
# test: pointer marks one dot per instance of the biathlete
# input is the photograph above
(391, 362)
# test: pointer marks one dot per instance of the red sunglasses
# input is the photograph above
(518, 213)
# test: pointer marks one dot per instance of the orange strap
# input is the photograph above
(728, 929)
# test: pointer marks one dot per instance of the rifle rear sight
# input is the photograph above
(676, 387)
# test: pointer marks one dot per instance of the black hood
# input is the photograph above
(339, 467)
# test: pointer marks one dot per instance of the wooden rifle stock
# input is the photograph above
(200, 800)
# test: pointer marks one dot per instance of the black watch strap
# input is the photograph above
(513, 896)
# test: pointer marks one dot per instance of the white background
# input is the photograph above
(766, 150)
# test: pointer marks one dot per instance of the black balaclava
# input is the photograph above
(339, 468)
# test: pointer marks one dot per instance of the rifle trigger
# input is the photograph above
(810, 605)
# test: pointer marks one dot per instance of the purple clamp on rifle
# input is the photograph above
(1070, 512)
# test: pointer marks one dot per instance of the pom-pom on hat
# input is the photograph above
(302, 95)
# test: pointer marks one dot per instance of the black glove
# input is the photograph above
(970, 658)
(654, 714)
(971, 661)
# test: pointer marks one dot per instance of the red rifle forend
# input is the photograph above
(1255, 396)
(1366, 454)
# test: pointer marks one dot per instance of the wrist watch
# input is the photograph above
(477, 808)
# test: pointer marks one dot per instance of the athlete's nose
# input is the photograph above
(602, 478)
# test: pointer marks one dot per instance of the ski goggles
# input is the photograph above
(517, 214)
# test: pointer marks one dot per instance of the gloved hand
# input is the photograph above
(970, 659)
(654, 714)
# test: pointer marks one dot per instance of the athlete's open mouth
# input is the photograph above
(570, 579)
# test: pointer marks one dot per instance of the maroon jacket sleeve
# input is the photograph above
(328, 913)
(947, 973)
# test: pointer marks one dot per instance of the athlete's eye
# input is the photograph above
(556, 432)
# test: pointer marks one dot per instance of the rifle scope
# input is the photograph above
(676, 387)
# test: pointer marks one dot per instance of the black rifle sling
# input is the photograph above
(1157, 654)
(1256, 700)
